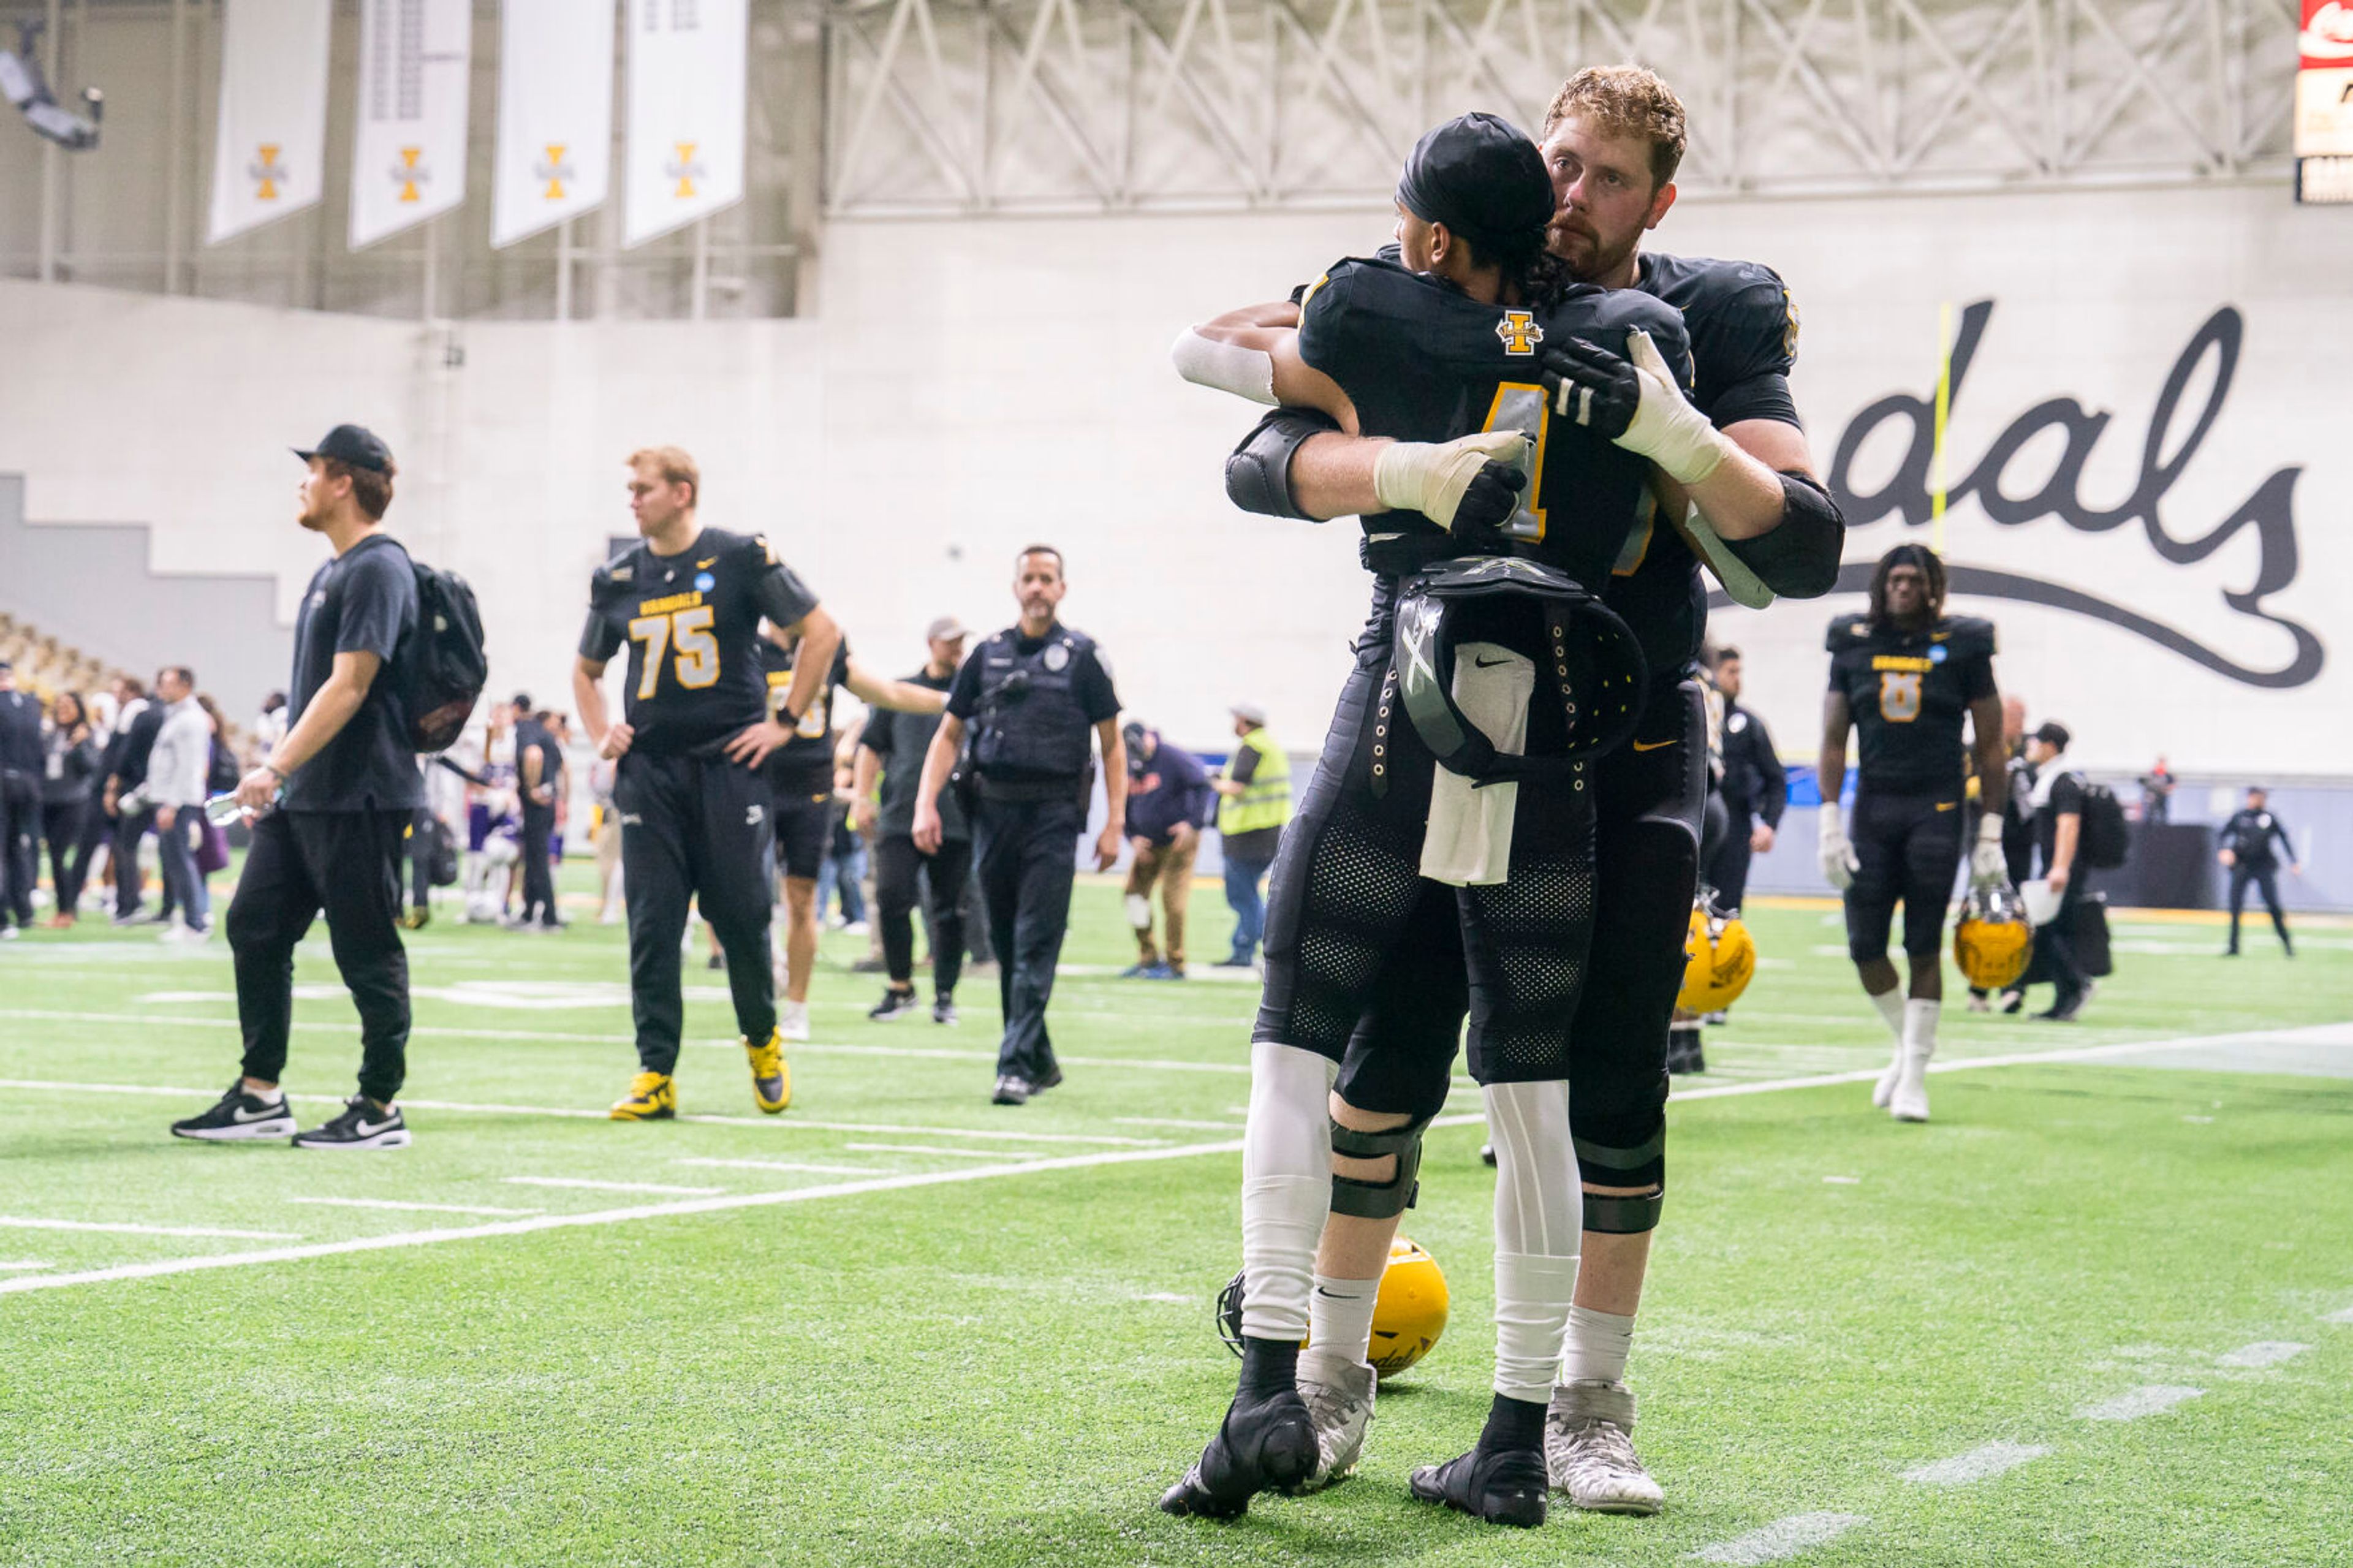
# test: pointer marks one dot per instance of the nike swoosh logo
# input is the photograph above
(700, 564)
(365, 1130)
(1947, 805)
(264, 1114)
(1651, 745)
(1938, 637)
(1489, 663)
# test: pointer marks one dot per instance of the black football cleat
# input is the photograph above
(1501, 1486)
(1263, 1444)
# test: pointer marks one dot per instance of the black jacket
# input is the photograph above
(1753, 783)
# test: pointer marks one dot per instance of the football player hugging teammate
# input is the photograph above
(1906, 678)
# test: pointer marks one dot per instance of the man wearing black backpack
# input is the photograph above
(330, 806)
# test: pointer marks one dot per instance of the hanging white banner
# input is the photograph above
(269, 156)
(687, 65)
(556, 114)
(409, 138)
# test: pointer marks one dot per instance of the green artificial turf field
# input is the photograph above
(2098, 1311)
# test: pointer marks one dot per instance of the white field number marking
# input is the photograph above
(2152, 1400)
(1781, 1538)
(2263, 1353)
(1977, 1465)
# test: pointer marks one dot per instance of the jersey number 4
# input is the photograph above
(1899, 697)
(689, 632)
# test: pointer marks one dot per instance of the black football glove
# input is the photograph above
(1488, 502)
(1592, 387)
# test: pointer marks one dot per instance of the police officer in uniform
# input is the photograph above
(2247, 852)
(1753, 788)
(1906, 678)
(687, 601)
(1026, 698)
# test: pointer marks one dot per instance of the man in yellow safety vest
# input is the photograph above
(1254, 804)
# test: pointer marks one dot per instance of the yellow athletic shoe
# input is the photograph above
(652, 1097)
(772, 1080)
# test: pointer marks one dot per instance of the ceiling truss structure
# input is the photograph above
(938, 106)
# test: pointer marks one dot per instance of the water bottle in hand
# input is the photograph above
(221, 810)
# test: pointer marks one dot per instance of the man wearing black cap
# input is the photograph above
(2247, 855)
(890, 752)
(330, 806)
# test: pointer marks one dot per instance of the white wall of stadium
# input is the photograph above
(2151, 478)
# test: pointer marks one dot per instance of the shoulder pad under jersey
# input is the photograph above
(1846, 632)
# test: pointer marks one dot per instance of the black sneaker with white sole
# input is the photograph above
(943, 1010)
(360, 1126)
(240, 1115)
(895, 1004)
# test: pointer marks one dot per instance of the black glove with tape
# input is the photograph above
(1592, 387)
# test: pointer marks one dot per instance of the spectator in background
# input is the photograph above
(177, 770)
(270, 725)
(2156, 794)
(2247, 840)
(1253, 807)
(23, 760)
(2058, 809)
(890, 752)
(126, 802)
(67, 777)
(1755, 789)
(539, 762)
(1168, 798)
(606, 833)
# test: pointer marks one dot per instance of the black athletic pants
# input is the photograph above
(347, 864)
(20, 861)
(695, 827)
(1727, 862)
(2054, 962)
(421, 840)
(129, 829)
(898, 866)
(1028, 856)
(61, 828)
(538, 867)
(2266, 878)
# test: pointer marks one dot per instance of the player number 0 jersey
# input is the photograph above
(1909, 693)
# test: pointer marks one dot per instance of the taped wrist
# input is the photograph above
(1799, 559)
(1609, 1163)
(1378, 1200)
(1258, 473)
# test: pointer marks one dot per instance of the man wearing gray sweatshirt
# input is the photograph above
(175, 789)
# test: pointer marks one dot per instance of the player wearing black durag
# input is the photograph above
(1450, 810)
(1613, 138)
(1907, 676)
(696, 816)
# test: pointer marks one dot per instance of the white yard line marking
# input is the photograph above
(2153, 1400)
(583, 1184)
(2345, 1316)
(611, 1216)
(421, 1208)
(934, 1148)
(15, 1263)
(2263, 1352)
(1844, 1181)
(1174, 1121)
(580, 1113)
(1781, 1538)
(12, 1222)
(781, 1165)
(1977, 1465)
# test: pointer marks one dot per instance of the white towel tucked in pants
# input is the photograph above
(1468, 840)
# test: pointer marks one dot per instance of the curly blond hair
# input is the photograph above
(1626, 101)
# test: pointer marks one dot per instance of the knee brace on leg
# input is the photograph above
(1286, 1186)
(1607, 1162)
(1367, 1199)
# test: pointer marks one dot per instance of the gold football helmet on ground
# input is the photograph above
(1720, 960)
(1992, 940)
(1409, 1315)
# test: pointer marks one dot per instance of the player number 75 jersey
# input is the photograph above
(691, 623)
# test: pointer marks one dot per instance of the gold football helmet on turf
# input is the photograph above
(1992, 940)
(1409, 1315)
(1720, 960)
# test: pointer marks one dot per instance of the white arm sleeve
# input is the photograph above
(1226, 367)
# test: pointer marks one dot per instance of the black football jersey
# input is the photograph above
(1424, 361)
(1909, 693)
(805, 763)
(1744, 339)
(691, 624)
